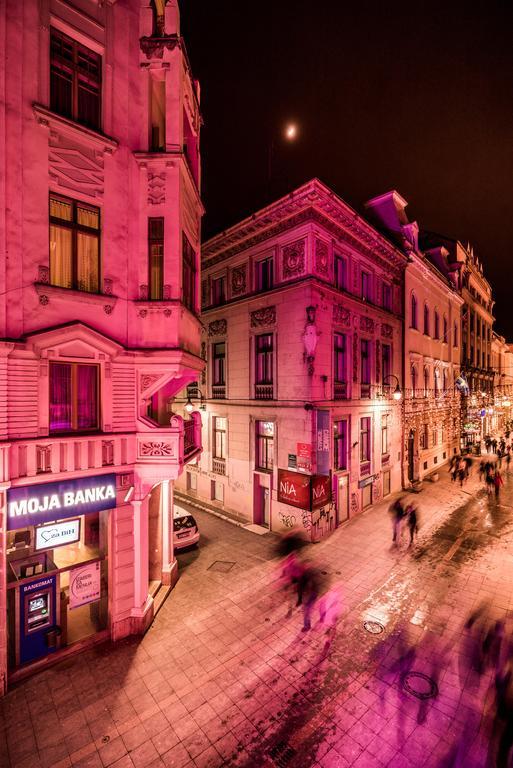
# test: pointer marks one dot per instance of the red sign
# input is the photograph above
(304, 456)
(303, 491)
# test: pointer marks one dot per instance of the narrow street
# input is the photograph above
(224, 678)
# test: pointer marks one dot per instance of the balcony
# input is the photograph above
(264, 392)
(218, 392)
(219, 466)
(340, 390)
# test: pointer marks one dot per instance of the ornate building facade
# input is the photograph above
(302, 313)
(432, 344)
(99, 321)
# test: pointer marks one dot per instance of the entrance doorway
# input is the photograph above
(411, 449)
(261, 502)
(342, 498)
(154, 539)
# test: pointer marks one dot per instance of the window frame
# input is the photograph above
(267, 355)
(365, 286)
(74, 429)
(154, 240)
(216, 357)
(340, 438)
(189, 274)
(340, 285)
(262, 440)
(386, 295)
(414, 310)
(427, 319)
(223, 440)
(75, 228)
(385, 447)
(365, 439)
(218, 289)
(59, 64)
(260, 285)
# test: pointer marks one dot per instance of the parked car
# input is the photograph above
(185, 529)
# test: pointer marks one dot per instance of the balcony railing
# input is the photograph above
(219, 466)
(340, 390)
(189, 445)
(263, 392)
(365, 391)
(218, 392)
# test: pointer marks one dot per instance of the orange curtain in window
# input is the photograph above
(60, 256)
(87, 262)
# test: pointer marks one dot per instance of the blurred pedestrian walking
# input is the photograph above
(412, 522)
(309, 590)
(498, 483)
(397, 511)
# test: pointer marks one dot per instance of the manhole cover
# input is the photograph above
(420, 685)
(374, 627)
(282, 754)
(223, 566)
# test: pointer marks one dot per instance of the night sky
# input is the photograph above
(414, 96)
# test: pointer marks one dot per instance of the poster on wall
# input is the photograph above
(322, 442)
(294, 489)
(304, 456)
(84, 584)
(321, 491)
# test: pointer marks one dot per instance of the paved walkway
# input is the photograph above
(224, 678)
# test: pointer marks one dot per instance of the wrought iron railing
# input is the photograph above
(264, 392)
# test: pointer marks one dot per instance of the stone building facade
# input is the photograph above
(302, 315)
(99, 306)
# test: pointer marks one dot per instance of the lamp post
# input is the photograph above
(397, 394)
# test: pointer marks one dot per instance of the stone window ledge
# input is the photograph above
(79, 132)
(47, 292)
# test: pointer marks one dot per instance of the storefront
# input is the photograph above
(57, 566)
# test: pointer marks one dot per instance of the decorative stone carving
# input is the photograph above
(156, 188)
(239, 280)
(78, 169)
(386, 330)
(341, 315)
(148, 380)
(44, 300)
(167, 313)
(367, 324)
(143, 292)
(107, 308)
(217, 327)
(263, 317)
(156, 449)
(321, 257)
(294, 259)
(107, 286)
(142, 313)
(378, 362)
(43, 275)
(153, 47)
(355, 357)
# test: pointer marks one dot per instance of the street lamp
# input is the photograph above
(291, 131)
(188, 405)
(397, 393)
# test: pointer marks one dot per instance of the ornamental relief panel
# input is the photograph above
(156, 188)
(341, 315)
(218, 327)
(160, 448)
(239, 280)
(148, 380)
(75, 168)
(293, 259)
(367, 324)
(263, 317)
(322, 257)
(386, 330)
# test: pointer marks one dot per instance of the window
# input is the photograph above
(414, 381)
(455, 335)
(434, 437)
(387, 296)
(265, 445)
(341, 273)
(156, 258)
(339, 366)
(158, 114)
(437, 325)
(414, 321)
(264, 359)
(426, 382)
(188, 275)
(426, 320)
(75, 80)
(365, 373)
(218, 291)
(340, 444)
(365, 437)
(386, 357)
(424, 438)
(219, 441)
(219, 364)
(446, 331)
(366, 286)
(437, 382)
(73, 397)
(74, 244)
(264, 274)
(444, 380)
(384, 434)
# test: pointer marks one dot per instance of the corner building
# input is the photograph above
(98, 316)
(302, 314)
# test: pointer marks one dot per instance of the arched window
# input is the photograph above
(444, 380)
(426, 319)
(413, 319)
(446, 331)
(455, 335)
(437, 325)
(413, 381)
(437, 382)
(426, 382)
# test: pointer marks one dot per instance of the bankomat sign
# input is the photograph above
(45, 502)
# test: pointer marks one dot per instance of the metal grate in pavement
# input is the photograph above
(374, 627)
(223, 566)
(420, 685)
(282, 754)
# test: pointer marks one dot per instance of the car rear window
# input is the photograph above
(184, 522)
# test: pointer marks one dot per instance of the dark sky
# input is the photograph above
(413, 96)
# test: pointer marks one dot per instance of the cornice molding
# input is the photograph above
(77, 132)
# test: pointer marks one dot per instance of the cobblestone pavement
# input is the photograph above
(225, 678)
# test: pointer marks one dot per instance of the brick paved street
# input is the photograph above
(224, 678)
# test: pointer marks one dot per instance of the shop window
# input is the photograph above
(339, 366)
(156, 258)
(340, 444)
(188, 275)
(75, 80)
(264, 274)
(264, 445)
(74, 397)
(74, 244)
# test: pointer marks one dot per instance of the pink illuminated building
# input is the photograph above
(99, 323)
(302, 314)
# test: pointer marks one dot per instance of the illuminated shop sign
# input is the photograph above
(58, 534)
(46, 502)
(303, 491)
